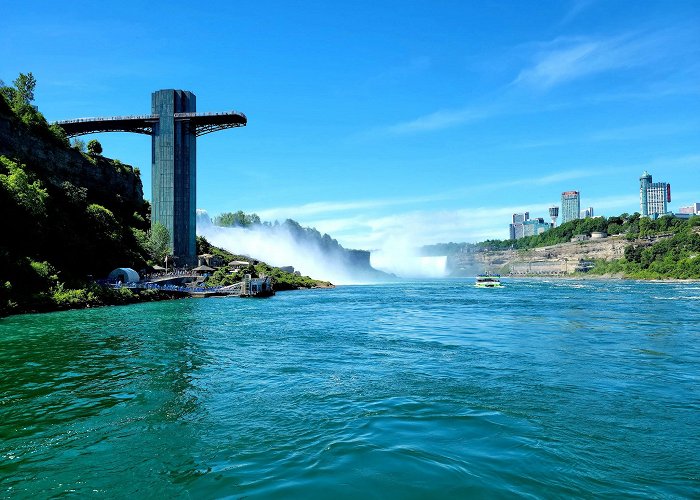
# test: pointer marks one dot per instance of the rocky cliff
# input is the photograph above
(564, 258)
(104, 179)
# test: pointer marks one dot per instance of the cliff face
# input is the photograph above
(117, 186)
(556, 259)
(66, 217)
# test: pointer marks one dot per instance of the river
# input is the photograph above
(544, 388)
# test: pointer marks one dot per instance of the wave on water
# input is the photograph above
(689, 297)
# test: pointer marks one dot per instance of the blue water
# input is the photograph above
(413, 390)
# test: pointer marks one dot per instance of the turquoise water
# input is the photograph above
(412, 390)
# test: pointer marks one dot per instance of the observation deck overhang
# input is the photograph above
(199, 123)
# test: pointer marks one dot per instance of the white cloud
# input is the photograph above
(326, 207)
(566, 59)
(366, 224)
(439, 120)
(422, 227)
(577, 7)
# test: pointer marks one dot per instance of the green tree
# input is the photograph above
(24, 89)
(159, 242)
(79, 144)
(237, 219)
(60, 135)
(8, 93)
(94, 147)
(633, 253)
(21, 186)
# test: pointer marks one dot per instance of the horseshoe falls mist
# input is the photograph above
(286, 245)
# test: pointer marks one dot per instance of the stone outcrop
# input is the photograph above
(103, 179)
(564, 258)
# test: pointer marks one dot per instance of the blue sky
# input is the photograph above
(420, 122)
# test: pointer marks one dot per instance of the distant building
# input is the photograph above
(207, 259)
(586, 213)
(553, 214)
(658, 196)
(653, 196)
(516, 228)
(644, 183)
(693, 209)
(516, 231)
(570, 206)
(527, 226)
(520, 218)
(536, 226)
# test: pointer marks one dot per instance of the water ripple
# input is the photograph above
(547, 388)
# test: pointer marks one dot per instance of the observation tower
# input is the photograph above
(554, 213)
(174, 126)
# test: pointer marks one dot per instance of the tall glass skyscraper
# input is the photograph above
(174, 171)
(570, 206)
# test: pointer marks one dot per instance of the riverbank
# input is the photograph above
(95, 296)
(601, 277)
(640, 248)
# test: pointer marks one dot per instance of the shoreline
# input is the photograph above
(604, 277)
(139, 298)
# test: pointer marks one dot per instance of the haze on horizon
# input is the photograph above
(386, 123)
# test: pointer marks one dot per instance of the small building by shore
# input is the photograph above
(123, 274)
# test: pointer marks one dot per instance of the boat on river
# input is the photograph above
(488, 281)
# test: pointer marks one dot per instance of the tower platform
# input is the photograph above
(173, 126)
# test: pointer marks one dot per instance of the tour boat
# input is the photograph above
(488, 281)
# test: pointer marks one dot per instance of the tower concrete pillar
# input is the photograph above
(174, 171)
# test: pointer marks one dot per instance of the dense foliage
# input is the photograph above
(58, 234)
(237, 219)
(94, 148)
(159, 242)
(677, 256)
(614, 225)
(632, 226)
(18, 100)
(668, 247)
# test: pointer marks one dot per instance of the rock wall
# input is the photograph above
(56, 164)
(564, 258)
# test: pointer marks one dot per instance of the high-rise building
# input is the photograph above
(516, 226)
(520, 218)
(644, 183)
(658, 195)
(524, 226)
(515, 231)
(570, 206)
(653, 196)
(553, 214)
(586, 213)
(536, 226)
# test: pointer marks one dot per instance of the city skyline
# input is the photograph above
(392, 136)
